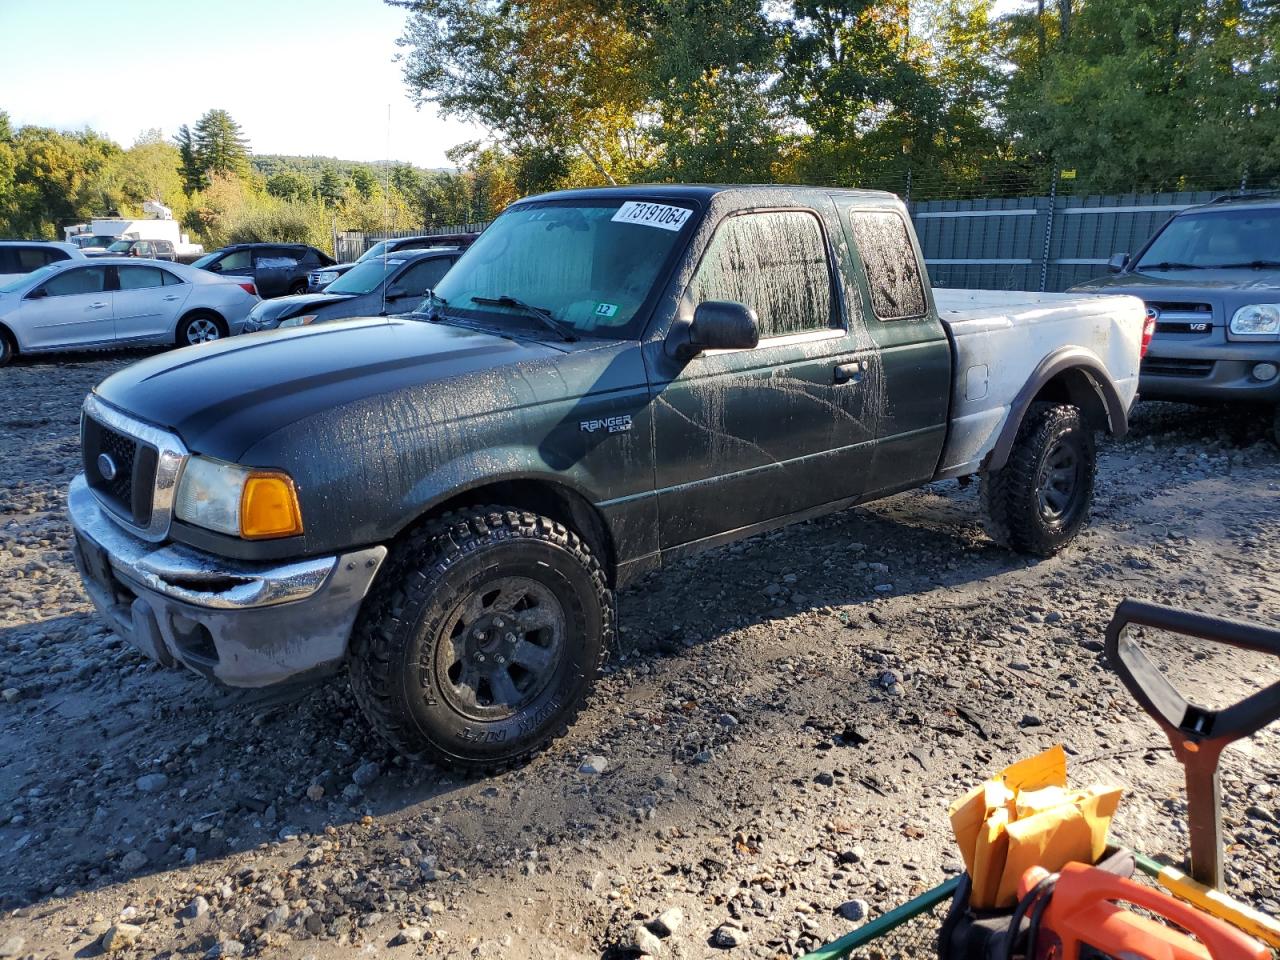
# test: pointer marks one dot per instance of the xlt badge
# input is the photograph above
(618, 424)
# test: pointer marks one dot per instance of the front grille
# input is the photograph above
(129, 491)
(1176, 367)
(1180, 316)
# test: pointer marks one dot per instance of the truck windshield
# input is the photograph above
(1216, 238)
(590, 264)
(363, 277)
(120, 246)
(373, 252)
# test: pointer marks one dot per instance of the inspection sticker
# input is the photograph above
(606, 309)
(658, 215)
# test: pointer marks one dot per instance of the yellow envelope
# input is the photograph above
(1075, 830)
(969, 813)
(989, 857)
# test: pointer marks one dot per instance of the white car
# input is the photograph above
(119, 301)
(20, 257)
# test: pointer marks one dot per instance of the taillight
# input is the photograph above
(1148, 331)
(250, 289)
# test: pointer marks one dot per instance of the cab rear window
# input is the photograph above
(893, 271)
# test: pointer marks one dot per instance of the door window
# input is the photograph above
(70, 282)
(424, 275)
(893, 271)
(171, 279)
(776, 263)
(140, 278)
(237, 260)
(142, 249)
(277, 259)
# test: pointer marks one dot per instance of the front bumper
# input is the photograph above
(244, 624)
(1199, 371)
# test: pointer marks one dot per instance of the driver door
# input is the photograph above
(748, 436)
(70, 309)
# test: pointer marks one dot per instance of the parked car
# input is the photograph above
(20, 257)
(318, 280)
(276, 268)
(608, 380)
(148, 249)
(92, 243)
(1210, 278)
(394, 284)
(116, 302)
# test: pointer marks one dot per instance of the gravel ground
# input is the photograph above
(770, 755)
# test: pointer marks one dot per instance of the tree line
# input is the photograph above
(223, 193)
(935, 98)
(1123, 95)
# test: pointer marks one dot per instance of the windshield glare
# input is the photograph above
(35, 276)
(578, 260)
(363, 277)
(207, 259)
(120, 245)
(1217, 238)
(374, 251)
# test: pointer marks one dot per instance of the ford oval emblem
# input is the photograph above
(107, 467)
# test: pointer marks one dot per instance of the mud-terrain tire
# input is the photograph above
(466, 600)
(200, 326)
(1038, 501)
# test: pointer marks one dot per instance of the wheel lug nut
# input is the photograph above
(478, 634)
(500, 658)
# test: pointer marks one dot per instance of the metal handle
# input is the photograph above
(170, 298)
(848, 373)
(96, 306)
(1197, 735)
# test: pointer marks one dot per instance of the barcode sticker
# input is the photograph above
(658, 215)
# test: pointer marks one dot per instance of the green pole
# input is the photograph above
(840, 949)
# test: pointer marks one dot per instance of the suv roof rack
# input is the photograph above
(1238, 197)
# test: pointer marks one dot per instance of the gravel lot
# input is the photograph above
(776, 739)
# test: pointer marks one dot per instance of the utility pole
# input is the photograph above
(1064, 9)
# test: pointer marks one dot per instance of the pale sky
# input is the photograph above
(308, 77)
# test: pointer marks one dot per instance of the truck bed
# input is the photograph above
(999, 338)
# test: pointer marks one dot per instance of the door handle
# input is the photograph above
(848, 373)
(97, 306)
(170, 298)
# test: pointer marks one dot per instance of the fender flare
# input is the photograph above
(1089, 386)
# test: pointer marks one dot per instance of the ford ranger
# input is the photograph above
(445, 502)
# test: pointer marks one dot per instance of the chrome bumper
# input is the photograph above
(244, 624)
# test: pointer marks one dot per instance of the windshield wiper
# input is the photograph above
(542, 316)
(1167, 265)
(1251, 265)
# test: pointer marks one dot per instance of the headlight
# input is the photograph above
(326, 278)
(298, 321)
(240, 501)
(1257, 320)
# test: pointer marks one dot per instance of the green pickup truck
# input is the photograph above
(445, 502)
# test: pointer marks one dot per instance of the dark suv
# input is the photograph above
(276, 268)
(1210, 278)
(150, 249)
(320, 279)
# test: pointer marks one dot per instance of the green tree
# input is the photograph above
(331, 186)
(193, 172)
(290, 185)
(364, 181)
(220, 145)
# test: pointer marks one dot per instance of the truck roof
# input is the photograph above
(704, 191)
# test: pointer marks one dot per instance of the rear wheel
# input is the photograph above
(200, 326)
(299, 287)
(1041, 498)
(482, 638)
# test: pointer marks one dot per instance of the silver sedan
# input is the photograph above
(118, 302)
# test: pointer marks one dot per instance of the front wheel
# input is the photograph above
(7, 350)
(200, 327)
(482, 638)
(1038, 501)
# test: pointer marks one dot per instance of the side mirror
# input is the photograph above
(396, 292)
(39, 293)
(1118, 262)
(716, 325)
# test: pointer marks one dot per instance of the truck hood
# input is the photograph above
(222, 398)
(1146, 284)
(282, 308)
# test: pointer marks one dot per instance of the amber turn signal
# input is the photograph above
(269, 507)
